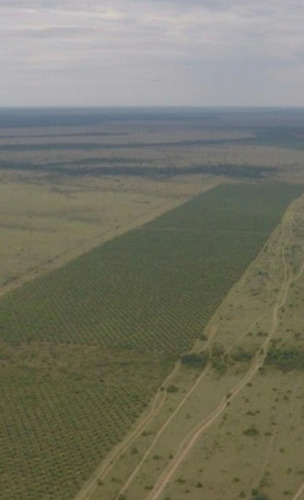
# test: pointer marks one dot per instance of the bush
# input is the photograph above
(219, 359)
(239, 354)
(259, 496)
(195, 360)
(172, 388)
(286, 359)
(251, 431)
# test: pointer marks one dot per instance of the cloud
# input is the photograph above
(151, 51)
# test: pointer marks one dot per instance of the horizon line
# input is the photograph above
(151, 107)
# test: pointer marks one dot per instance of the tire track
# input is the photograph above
(159, 433)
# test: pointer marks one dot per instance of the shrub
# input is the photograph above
(251, 431)
(194, 360)
(172, 388)
(259, 496)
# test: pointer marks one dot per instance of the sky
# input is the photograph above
(152, 53)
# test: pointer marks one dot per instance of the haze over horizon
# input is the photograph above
(152, 53)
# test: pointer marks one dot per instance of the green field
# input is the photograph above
(84, 347)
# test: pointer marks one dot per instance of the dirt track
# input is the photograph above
(299, 494)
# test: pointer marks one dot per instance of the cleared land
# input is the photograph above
(85, 347)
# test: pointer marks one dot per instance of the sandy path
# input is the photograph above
(299, 494)
(159, 433)
(190, 440)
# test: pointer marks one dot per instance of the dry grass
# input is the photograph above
(230, 460)
(157, 143)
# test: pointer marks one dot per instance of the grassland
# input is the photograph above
(84, 347)
(144, 144)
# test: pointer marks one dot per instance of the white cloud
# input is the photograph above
(151, 51)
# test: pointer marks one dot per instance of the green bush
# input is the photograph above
(286, 359)
(172, 388)
(251, 431)
(195, 360)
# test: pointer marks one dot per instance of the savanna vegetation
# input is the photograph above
(129, 167)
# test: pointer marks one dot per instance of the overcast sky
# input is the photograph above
(152, 52)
